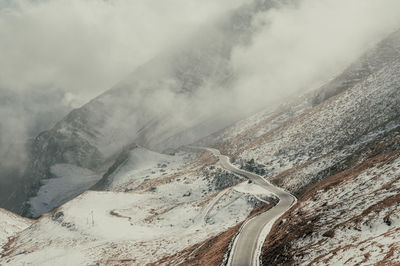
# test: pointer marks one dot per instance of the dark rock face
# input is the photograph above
(107, 178)
(252, 166)
(222, 179)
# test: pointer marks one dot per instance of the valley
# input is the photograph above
(182, 163)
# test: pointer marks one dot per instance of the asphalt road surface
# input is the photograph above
(245, 249)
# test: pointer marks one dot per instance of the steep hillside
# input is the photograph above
(10, 225)
(147, 108)
(350, 218)
(301, 143)
(338, 150)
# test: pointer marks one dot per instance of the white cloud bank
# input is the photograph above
(86, 46)
(299, 46)
(80, 48)
(58, 54)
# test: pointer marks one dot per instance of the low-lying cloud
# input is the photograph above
(76, 49)
(300, 46)
(86, 46)
(56, 55)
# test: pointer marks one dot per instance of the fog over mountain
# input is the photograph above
(75, 54)
(57, 55)
(199, 132)
(167, 72)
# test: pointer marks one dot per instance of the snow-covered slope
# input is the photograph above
(67, 182)
(352, 217)
(155, 205)
(337, 149)
(144, 164)
(10, 225)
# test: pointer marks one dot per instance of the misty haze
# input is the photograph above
(187, 132)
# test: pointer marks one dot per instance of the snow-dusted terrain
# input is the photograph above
(337, 133)
(10, 225)
(144, 164)
(114, 184)
(155, 206)
(338, 154)
(299, 141)
(350, 218)
(363, 214)
(68, 181)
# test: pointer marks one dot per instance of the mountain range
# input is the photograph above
(126, 178)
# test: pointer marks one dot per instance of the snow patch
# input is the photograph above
(69, 181)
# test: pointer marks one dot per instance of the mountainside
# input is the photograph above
(349, 218)
(338, 150)
(152, 208)
(10, 225)
(134, 111)
(303, 142)
(138, 175)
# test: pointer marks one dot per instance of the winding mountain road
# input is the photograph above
(248, 243)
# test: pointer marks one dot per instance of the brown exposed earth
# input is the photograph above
(300, 230)
(211, 251)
